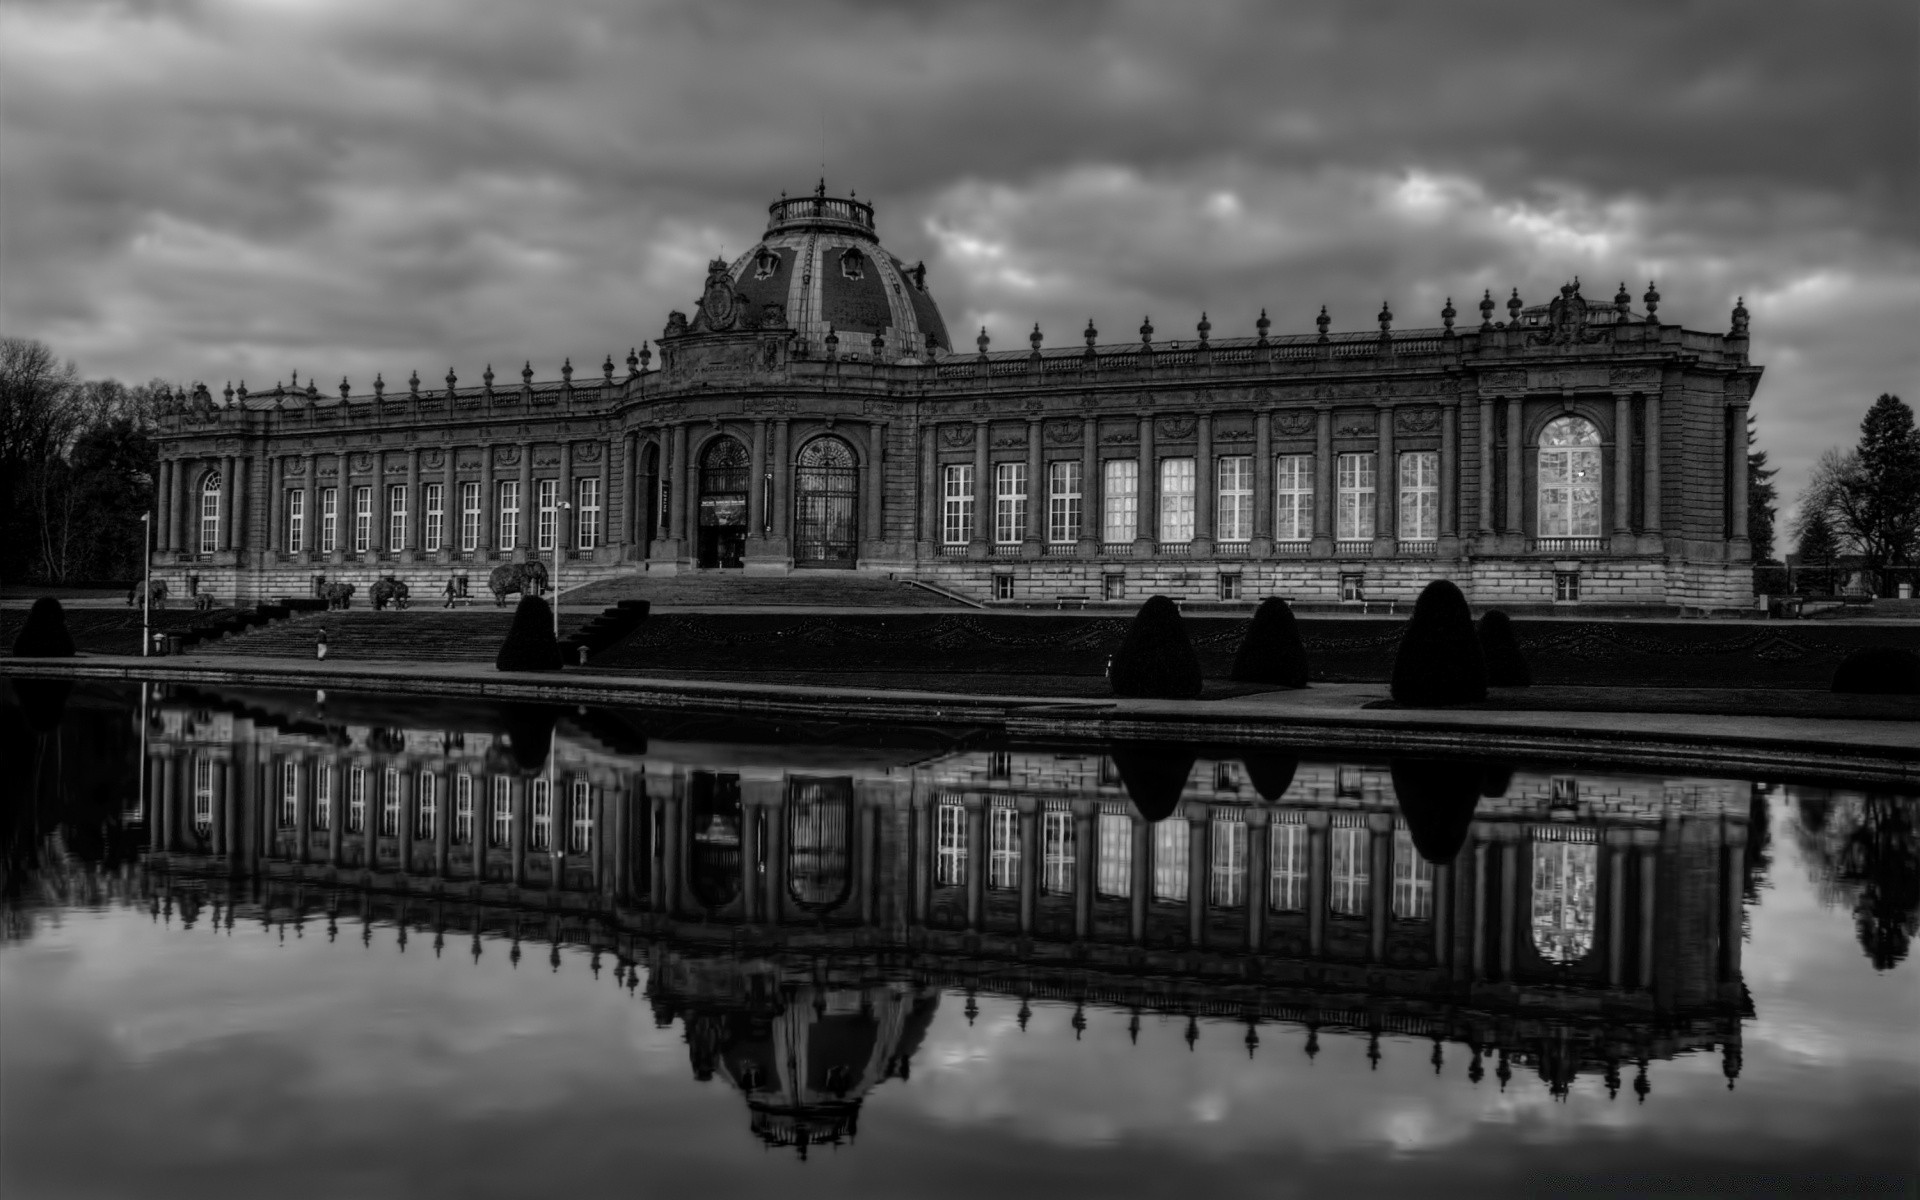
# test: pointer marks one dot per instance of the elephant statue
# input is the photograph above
(388, 591)
(337, 595)
(203, 602)
(156, 594)
(528, 579)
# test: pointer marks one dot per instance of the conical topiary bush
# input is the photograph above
(1871, 670)
(1156, 661)
(1440, 660)
(1437, 798)
(44, 633)
(529, 733)
(1270, 774)
(1154, 774)
(1272, 651)
(530, 644)
(1505, 665)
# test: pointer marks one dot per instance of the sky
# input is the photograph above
(228, 190)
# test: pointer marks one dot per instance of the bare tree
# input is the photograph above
(40, 414)
(1870, 495)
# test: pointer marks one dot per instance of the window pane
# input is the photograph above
(1120, 498)
(957, 505)
(1227, 880)
(1063, 501)
(1412, 880)
(1009, 503)
(1356, 493)
(1351, 873)
(1287, 890)
(1235, 500)
(1176, 499)
(1293, 498)
(1057, 862)
(1115, 877)
(1170, 859)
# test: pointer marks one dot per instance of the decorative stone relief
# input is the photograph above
(1175, 429)
(1553, 379)
(769, 406)
(1634, 377)
(361, 463)
(1122, 437)
(587, 452)
(432, 459)
(1293, 422)
(956, 437)
(506, 456)
(1503, 381)
(1355, 425)
(1417, 420)
(1063, 433)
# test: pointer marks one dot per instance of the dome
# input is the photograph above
(821, 261)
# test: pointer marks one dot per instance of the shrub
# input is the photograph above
(1505, 665)
(1437, 798)
(1270, 774)
(530, 644)
(529, 733)
(1874, 670)
(43, 702)
(1496, 781)
(44, 633)
(1272, 652)
(1439, 660)
(1156, 661)
(1154, 774)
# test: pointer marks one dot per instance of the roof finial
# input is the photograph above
(1092, 334)
(1652, 301)
(606, 369)
(1514, 305)
(413, 385)
(633, 362)
(1447, 315)
(1622, 302)
(1204, 328)
(344, 389)
(1322, 321)
(983, 341)
(1486, 309)
(451, 380)
(1034, 337)
(1146, 332)
(1263, 324)
(1740, 317)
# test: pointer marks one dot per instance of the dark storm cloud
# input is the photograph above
(222, 189)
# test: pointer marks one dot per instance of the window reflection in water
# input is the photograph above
(820, 842)
(1565, 895)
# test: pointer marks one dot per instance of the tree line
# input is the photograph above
(1861, 508)
(77, 465)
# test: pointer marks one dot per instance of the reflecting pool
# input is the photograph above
(263, 942)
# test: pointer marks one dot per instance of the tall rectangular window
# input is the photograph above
(434, 534)
(322, 796)
(362, 519)
(1355, 486)
(426, 806)
(1114, 870)
(1351, 874)
(1176, 500)
(210, 516)
(587, 510)
(329, 520)
(470, 517)
(356, 799)
(397, 517)
(1287, 883)
(1057, 852)
(463, 810)
(1170, 860)
(1009, 503)
(1293, 498)
(509, 514)
(390, 803)
(1234, 519)
(1003, 845)
(549, 494)
(950, 845)
(1063, 502)
(580, 828)
(1412, 880)
(289, 794)
(1227, 873)
(502, 812)
(540, 830)
(956, 505)
(1419, 495)
(1120, 499)
(203, 794)
(296, 521)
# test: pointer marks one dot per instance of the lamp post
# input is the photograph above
(146, 586)
(559, 550)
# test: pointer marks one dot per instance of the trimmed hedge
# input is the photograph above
(1154, 774)
(43, 702)
(1437, 799)
(1497, 781)
(1156, 661)
(1270, 774)
(530, 733)
(45, 633)
(1506, 667)
(530, 644)
(1272, 651)
(1871, 670)
(1439, 660)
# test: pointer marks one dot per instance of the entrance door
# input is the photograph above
(724, 468)
(826, 505)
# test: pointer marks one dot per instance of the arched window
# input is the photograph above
(853, 264)
(1566, 896)
(826, 499)
(210, 513)
(819, 842)
(1569, 479)
(725, 470)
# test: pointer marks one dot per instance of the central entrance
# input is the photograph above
(724, 471)
(826, 505)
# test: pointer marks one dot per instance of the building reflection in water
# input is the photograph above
(800, 905)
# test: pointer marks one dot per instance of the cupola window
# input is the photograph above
(853, 265)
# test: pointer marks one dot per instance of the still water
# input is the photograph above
(264, 943)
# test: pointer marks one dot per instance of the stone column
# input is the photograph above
(1515, 524)
(627, 532)
(977, 852)
(757, 487)
(1386, 486)
(750, 813)
(1449, 473)
(1317, 825)
(443, 800)
(565, 522)
(163, 508)
(1085, 848)
(1736, 459)
(1443, 919)
(1323, 497)
(982, 491)
(276, 513)
(1479, 914)
(933, 484)
(1199, 828)
(1484, 520)
(1509, 905)
(450, 514)
(1037, 501)
(1139, 879)
(489, 503)
(1206, 486)
(1380, 847)
(782, 515)
(1616, 908)
(517, 837)
(689, 480)
(921, 817)
(229, 503)
(1030, 855)
(867, 815)
(1259, 875)
(874, 518)
(1263, 503)
(1091, 486)
(1622, 466)
(529, 512)
(416, 507)
(1649, 886)
(186, 509)
(677, 490)
(224, 841)
(377, 525)
(1147, 489)
(1650, 478)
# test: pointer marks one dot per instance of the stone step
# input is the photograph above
(826, 589)
(427, 635)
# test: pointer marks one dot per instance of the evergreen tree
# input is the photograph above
(1819, 550)
(1762, 500)
(1871, 494)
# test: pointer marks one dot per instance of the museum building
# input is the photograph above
(814, 413)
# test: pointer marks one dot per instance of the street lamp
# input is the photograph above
(559, 549)
(146, 587)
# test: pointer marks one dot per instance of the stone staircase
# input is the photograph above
(723, 589)
(414, 634)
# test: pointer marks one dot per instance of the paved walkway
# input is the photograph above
(1326, 716)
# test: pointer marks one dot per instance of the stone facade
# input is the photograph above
(1574, 453)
